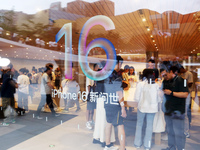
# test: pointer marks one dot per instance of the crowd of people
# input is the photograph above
(164, 93)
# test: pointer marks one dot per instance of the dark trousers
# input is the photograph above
(175, 130)
(45, 99)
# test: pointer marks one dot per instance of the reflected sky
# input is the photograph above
(121, 6)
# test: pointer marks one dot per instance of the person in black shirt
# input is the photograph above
(114, 107)
(176, 92)
(7, 93)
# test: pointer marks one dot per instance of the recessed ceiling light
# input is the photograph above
(153, 40)
(11, 46)
(143, 19)
(148, 29)
(151, 36)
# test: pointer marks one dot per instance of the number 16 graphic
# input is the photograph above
(83, 51)
(67, 31)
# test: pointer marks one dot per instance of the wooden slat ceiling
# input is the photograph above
(169, 32)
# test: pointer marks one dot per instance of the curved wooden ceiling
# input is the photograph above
(147, 30)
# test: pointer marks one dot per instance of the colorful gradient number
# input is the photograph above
(67, 31)
(109, 48)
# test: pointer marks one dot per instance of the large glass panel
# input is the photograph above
(103, 74)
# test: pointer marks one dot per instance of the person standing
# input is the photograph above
(58, 77)
(188, 76)
(176, 92)
(128, 94)
(114, 107)
(23, 89)
(146, 95)
(91, 104)
(7, 93)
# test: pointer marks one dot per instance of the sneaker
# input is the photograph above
(169, 148)
(65, 111)
(56, 115)
(88, 125)
(13, 121)
(96, 141)
(38, 117)
(4, 124)
(111, 148)
(78, 109)
(92, 123)
(187, 135)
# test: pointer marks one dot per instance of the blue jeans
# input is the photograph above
(148, 131)
(175, 130)
(188, 115)
(23, 100)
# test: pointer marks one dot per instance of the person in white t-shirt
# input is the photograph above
(45, 91)
(23, 90)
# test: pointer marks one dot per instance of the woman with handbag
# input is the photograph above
(146, 95)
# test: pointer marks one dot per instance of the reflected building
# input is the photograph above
(101, 7)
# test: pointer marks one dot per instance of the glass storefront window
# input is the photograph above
(83, 74)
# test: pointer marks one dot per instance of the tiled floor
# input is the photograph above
(68, 132)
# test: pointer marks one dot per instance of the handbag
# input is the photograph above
(159, 121)
(9, 111)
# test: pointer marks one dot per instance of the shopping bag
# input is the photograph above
(159, 122)
(9, 111)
